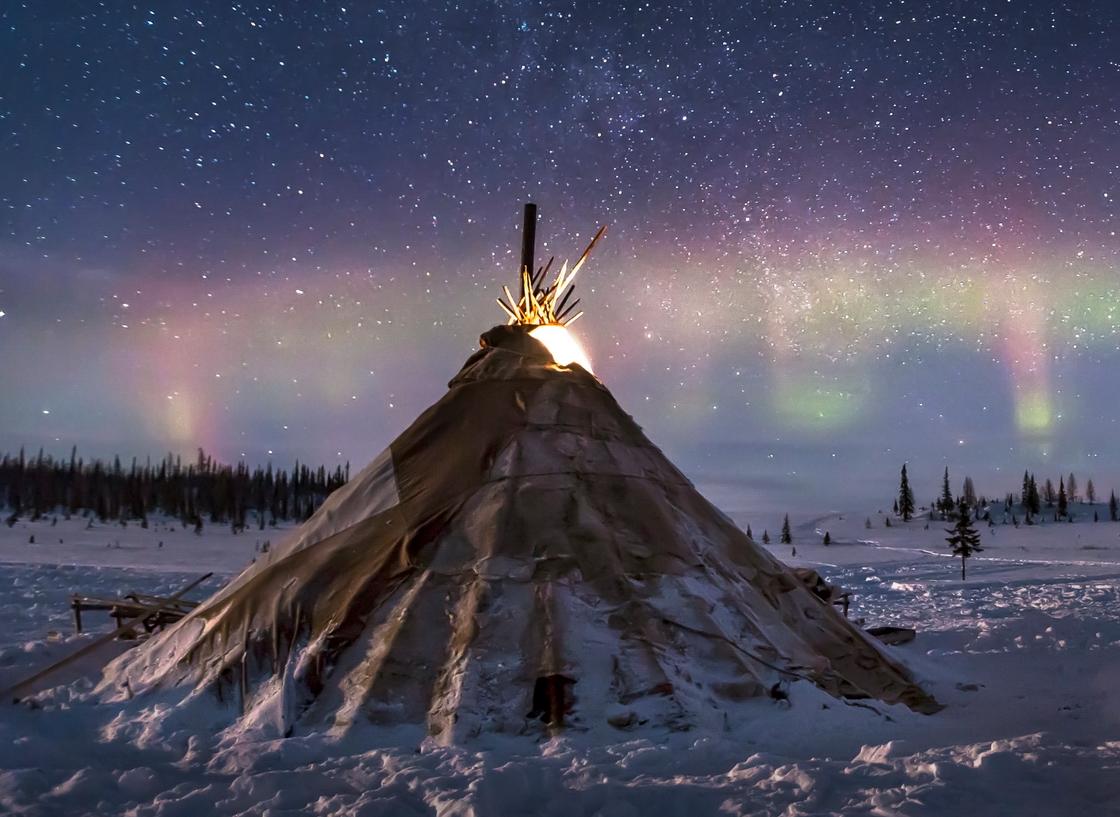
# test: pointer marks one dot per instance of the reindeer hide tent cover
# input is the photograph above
(522, 553)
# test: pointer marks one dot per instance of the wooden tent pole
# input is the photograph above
(529, 239)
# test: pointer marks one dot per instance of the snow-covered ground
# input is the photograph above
(1025, 654)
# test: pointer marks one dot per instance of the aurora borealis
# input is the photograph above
(841, 236)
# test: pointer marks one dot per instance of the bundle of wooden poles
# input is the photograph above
(539, 304)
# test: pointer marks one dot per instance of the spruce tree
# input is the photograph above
(905, 496)
(1025, 497)
(1090, 492)
(963, 538)
(968, 491)
(945, 504)
(1113, 507)
(766, 537)
(749, 534)
(1034, 501)
(1071, 487)
(787, 538)
(1063, 501)
(827, 538)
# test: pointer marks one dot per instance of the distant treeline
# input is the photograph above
(1030, 500)
(198, 492)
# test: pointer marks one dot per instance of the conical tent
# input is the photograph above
(521, 554)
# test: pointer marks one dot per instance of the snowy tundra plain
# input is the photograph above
(1025, 654)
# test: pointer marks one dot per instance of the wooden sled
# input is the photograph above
(155, 611)
(35, 683)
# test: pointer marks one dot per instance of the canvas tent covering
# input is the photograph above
(521, 554)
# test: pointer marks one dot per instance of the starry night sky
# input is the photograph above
(841, 235)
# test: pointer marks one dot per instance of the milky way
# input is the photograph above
(841, 236)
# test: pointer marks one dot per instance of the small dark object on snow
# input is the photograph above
(893, 635)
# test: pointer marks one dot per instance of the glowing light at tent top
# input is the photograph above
(563, 345)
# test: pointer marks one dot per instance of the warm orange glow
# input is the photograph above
(563, 345)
